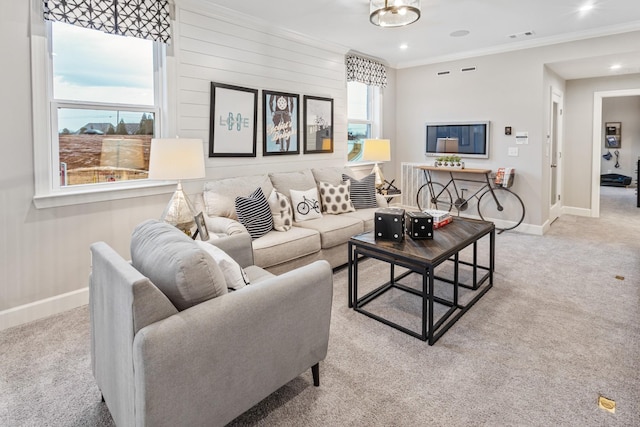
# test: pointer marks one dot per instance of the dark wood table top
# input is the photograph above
(446, 241)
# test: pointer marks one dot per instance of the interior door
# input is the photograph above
(555, 156)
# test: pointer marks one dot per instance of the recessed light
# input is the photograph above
(615, 67)
(459, 33)
(404, 46)
(586, 8)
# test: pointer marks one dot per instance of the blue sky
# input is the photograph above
(89, 65)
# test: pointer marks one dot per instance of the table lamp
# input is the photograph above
(377, 150)
(171, 159)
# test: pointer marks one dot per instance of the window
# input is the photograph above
(103, 105)
(363, 110)
(98, 102)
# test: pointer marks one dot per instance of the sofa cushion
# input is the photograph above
(331, 175)
(173, 262)
(334, 229)
(363, 191)
(364, 215)
(335, 198)
(254, 213)
(220, 195)
(280, 211)
(306, 204)
(276, 248)
(234, 275)
(284, 182)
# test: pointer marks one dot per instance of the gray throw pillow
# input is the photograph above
(173, 262)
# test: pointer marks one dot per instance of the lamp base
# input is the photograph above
(379, 176)
(180, 212)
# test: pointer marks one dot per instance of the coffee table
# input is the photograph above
(422, 257)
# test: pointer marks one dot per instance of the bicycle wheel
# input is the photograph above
(508, 215)
(302, 208)
(440, 200)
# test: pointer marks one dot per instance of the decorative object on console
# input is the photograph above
(254, 213)
(389, 224)
(179, 159)
(362, 191)
(201, 227)
(394, 13)
(335, 198)
(318, 125)
(305, 204)
(377, 150)
(232, 121)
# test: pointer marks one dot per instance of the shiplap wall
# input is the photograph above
(224, 47)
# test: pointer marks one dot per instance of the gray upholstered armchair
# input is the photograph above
(157, 365)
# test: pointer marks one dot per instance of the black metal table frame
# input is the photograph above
(430, 332)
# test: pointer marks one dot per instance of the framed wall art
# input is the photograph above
(612, 133)
(318, 124)
(280, 120)
(233, 121)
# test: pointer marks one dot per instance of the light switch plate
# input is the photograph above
(513, 151)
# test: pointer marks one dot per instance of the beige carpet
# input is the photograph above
(560, 327)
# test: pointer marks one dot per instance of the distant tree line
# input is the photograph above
(145, 128)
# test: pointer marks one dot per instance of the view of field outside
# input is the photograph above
(93, 69)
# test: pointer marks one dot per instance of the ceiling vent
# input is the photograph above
(465, 69)
(443, 73)
(522, 35)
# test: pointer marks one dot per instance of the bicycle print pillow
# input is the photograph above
(305, 205)
(335, 198)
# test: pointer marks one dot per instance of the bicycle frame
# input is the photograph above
(452, 181)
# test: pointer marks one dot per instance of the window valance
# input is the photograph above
(145, 19)
(366, 71)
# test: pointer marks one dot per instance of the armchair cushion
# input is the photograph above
(173, 262)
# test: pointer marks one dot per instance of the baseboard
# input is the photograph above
(576, 211)
(43, 308)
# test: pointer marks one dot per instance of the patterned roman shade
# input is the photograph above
(144, 19)
(366, 71)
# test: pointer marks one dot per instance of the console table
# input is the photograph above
(422, 257)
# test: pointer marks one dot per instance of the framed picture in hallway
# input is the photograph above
(232, 121)
(280, 121)
(612, 132)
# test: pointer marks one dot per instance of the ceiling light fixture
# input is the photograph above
(615, 67)
(394, 13)
(404, 46)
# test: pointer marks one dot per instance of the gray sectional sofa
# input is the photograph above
(307, 241)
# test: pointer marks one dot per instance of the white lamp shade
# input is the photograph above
(176, 158)
(377, 150)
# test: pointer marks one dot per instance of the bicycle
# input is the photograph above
(495, 203)
(306, 205)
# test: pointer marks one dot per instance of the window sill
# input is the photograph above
(92, 195)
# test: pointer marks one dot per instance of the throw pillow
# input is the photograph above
(363, 191)
(234, 274)
(175, 264)
(305, 204)
(254, 213)
(335, 198)
(280, 211)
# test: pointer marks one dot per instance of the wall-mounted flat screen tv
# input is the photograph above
(464, 139)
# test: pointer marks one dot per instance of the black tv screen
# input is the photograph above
(464, 139)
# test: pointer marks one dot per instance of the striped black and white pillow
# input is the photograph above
(363, 191)
(254, 213)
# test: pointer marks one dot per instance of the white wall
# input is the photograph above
(510, 89)
(626, 110)
(44, 253)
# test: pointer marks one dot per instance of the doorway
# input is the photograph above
(555, 155)
(597, 143)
